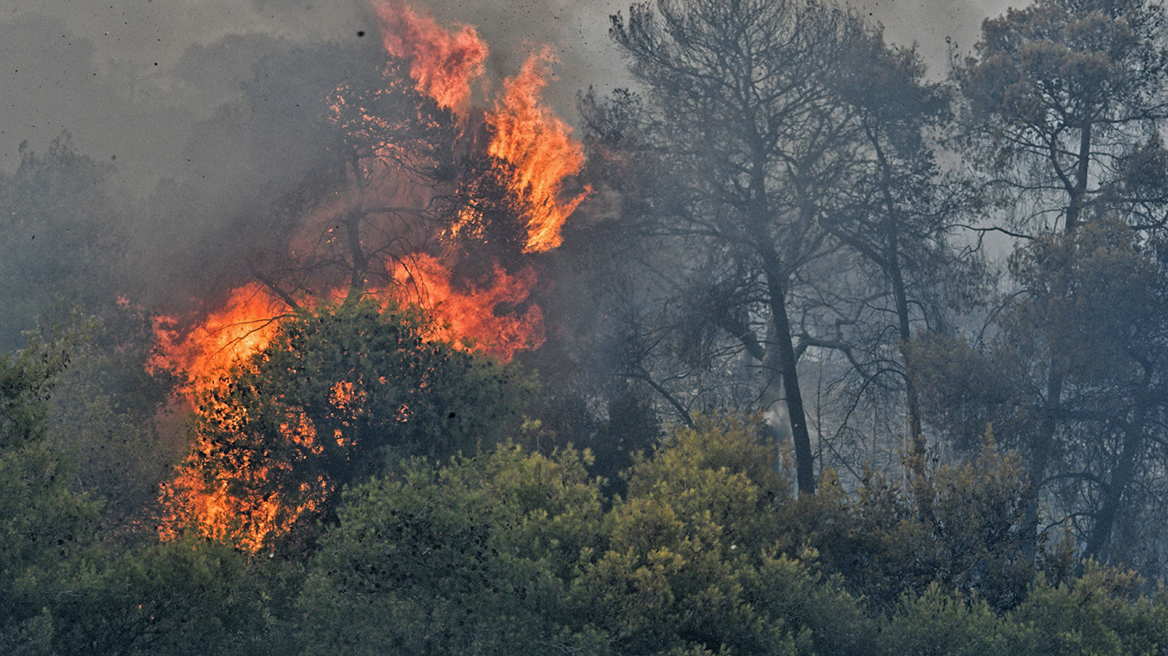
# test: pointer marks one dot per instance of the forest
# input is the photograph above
(792, 346)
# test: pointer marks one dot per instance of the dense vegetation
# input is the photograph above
(838, 359)
(708, 550)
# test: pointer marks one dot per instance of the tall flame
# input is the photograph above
(442, 63)
(529, 136)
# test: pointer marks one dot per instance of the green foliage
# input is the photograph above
(957, 526)
(184, 597)
(722, 473)
(467, 558)
(103, 411)
(708, 554)
(939, 623)
(975, 518)
(692, 560)
(373, 378)
(964, 389)
(1095, 614)
(515, 548)
(44, 528)
(339, 394)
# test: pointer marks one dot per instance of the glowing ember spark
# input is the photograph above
(470, 316)
(529, 136)
(244, 326)
(442, 63)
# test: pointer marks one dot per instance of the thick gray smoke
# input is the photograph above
(204, 107)
(130, 78)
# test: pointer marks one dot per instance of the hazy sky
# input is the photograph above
(130, 78)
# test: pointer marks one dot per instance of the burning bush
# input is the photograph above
(338, 393)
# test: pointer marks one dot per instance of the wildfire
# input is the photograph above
(492, 313)
(539, 145)
(243, 326)
(443, 64)
(527, 134)
(216, 510)
(468, 317)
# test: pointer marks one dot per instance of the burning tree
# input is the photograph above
(334, 397)
(420, 199)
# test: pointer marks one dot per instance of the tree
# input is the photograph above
(45, 529)
(1093, 302)
(511, 546)
(372, 201)
(1064, 98)
(895, 216)
(338, 395)
(186, 597)
(1094, 614)
(103, 411)
(60, 238)
(395, 172)
(331, 173)
(699, 555)
(473, 556)
(741, 114)
(1065, 102)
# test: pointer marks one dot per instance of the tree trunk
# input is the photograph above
(1040, 451)
(1040, 457)
(359, 261)
(785, 351)
(1121, 476)
(1077, 193)
(916, 436)
(352, 224)
(893, 270)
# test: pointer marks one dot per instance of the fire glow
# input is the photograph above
(465, 320)
(493, 314)
(244, 325)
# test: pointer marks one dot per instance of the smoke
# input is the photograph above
(933, 24)
(207, 109)
(131, 78)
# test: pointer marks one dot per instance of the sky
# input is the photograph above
(131, 80)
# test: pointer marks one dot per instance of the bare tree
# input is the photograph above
(742, 119)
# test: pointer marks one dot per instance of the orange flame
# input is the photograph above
(442, 63)
(469, 318)
(244, 326)
(530, 137)
(215, 509)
